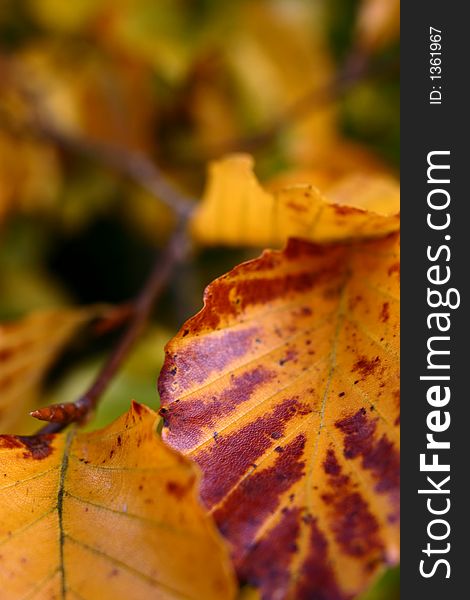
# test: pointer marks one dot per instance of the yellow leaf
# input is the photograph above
(378, 194)
(285, 390)
(236, 210)
(28, 347)
(111, 514)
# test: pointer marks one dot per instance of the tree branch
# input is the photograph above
(131, 163)
(141, 170)
(61, 415)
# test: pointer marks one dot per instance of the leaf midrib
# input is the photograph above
(60, 505)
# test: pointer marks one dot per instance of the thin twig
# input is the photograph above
(141, 170)
(130, 163)
(60, 415)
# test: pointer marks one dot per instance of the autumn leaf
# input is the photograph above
(236, 210)
(380, 195)
(29, 176)
(109, 514)
(378, 23)
(84, 94)
(285, 390)
(280, 75)
(350, 159)
(28, 347)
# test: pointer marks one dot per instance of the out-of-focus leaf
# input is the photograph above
(29, 175)
(236, 210)
(282, 74)
(111, 514)
(349, 159)
(378, 23)
(64, 17)
(87, 93)
(285, 390)
(152, 32)
(28, 347)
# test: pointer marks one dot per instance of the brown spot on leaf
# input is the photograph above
(344, 210)
(385, 312)
(267, 563)
(290, 355)
(257, 497)
(296, 206)
(187, 421)
(36, 447)
(265, 290)
(229, 295)
(331, 465)
(179, 490)
(9, 441)
(6, 353)
(199, 358)
(296, 248)
(366, 367)
(378, 455)
(355, 301)
(227, 460)
(354, 527)
(317, 580)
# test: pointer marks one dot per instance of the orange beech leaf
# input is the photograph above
(237, 210)
(28, 347)
(111, 514)
(285, 390)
